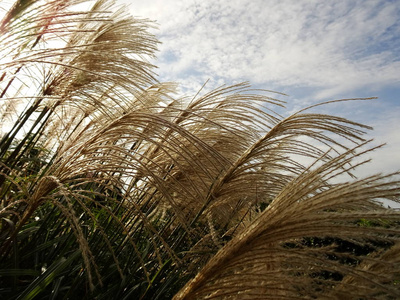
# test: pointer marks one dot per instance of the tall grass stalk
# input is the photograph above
(114, 187)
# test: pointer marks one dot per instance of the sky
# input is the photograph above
(313, 51)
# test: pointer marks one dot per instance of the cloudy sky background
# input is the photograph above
(311, 50)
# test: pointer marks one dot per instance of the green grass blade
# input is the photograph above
(47, 277)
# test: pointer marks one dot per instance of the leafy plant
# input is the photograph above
(114, 187)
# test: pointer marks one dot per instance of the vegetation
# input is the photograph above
(114, 187)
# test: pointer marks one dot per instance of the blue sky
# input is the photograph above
(311, 50)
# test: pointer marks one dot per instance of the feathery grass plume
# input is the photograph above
(69, 67)
(293, 248)
(114, 187)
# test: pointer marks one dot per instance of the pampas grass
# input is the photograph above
(114, 187)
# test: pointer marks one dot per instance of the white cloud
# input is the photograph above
(331, 49)
(386, 159)
(334, 46)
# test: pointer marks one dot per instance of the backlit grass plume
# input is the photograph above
(114, 187)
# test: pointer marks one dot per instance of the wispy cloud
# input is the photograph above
(314, 50)
(333, 46)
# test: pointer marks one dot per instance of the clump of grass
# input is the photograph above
(112, 186)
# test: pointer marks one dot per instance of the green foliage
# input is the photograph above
(113, 187)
